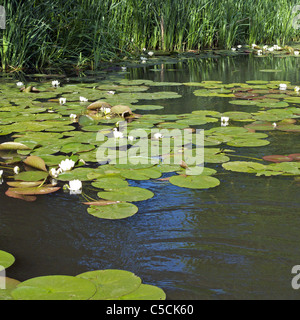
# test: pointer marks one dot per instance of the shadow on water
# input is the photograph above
(237, 241)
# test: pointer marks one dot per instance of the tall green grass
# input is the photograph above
(83, 33)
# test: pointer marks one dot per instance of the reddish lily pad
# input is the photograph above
(34, 190)
(294, 156)
(10, 193)
(277, 158)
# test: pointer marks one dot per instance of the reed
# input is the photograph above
(83, 33)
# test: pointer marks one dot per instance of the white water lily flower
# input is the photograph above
(124, 68)
(150, 53)
(105, 110)
(1, 173)
(75, 187)
(144, 49)
(265, 47)
(144, 59)
(158, 135)
(224, 119)
(117, 134)
(282, 86)
(296, 53)
(62, 100)
(276, 47)
(239, 46)
(233, 49)
(73, 116)
(20, 84)
(111, 92)
(259, 52)
(66, 165)
(83, 99)
(53, 173)
(53, 182)
(130, 138)
(271, 49)
(297, 89)
(16, 170)
(253, 45)
(55, 83)
(274, 125)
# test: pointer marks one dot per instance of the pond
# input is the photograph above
(237, 240)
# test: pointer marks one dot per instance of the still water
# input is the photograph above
(239, 240)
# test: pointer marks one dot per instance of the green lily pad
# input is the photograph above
(36, 162)
(112, 284)
(56, 287)
(10, 284)
(6, 260)
(141, 174)
(127, 194)
(31, 176)
(243, 166)
(13, 146)
(113, 211)
(75, 174)
(110, 183)
(76, 147)
(248, 143)
(145, 292)
(194, 181)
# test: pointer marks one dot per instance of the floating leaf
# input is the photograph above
(56, 287)
(194, 181)
(34, 190)
(10, 193)
(6, 259)
(36, 162)
(127, 194)
(24, 184)
(145, 292)
(113, 211)
(10, 284)
(112, 284)
(110, 183)
(243, 166)
(277, 158)
(13, 146)
(31, 176)
(248, 143)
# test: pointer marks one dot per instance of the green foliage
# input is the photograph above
(82, 33)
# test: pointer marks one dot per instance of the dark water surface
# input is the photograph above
(239, 240)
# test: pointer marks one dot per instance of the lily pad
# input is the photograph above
(112, 284)
(194, 181)
(31, 176)
(36, 162)
(113, 211)
(110, 183)
(13, 146)
(243, 166)
(34, 190)
(277, 158)
(56, 287)
(127, 194)
(145, 292)
(10, 284)
(6, 260)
